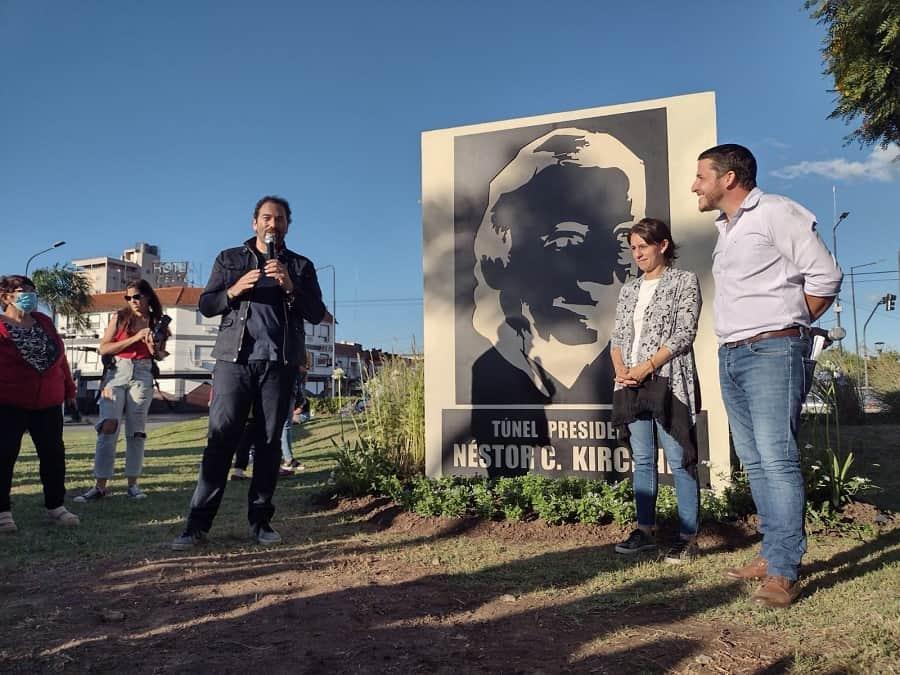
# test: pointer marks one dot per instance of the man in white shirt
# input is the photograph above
(774, 276)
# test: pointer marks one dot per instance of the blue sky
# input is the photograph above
(165, 121)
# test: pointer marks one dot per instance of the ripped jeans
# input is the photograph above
(126, 396)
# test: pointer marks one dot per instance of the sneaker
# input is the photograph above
(264, 534)
(7, 524)
(682, 551)
(63, 517)
(285, 471)
(134, 492)
(296, 465)
(91, 495)
(239, 474)
(188, 540)
(637, 542)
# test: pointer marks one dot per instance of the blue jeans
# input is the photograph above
(286, 455)
(644, 455)
(763, 386)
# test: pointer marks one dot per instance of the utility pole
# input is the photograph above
(853, 300)
(837, 333)
(888, 301)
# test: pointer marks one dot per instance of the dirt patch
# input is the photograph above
(349, 603)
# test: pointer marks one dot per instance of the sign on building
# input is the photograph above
(170, 273)
(525, 251)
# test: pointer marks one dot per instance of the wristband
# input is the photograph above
(652, 365)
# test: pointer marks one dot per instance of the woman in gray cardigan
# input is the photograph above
(657, 395)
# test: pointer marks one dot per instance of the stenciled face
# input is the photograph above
(566, 251)
(271, 218)
(709, 186)
(650, 258)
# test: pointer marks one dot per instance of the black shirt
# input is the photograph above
(265, 327)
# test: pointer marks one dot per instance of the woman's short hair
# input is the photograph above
(655, 231)
(10, 283)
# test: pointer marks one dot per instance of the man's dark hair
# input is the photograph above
(9, 284)
(655, 232)
(733, 157)
(281, 201)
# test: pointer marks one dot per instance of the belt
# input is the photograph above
(796, 331)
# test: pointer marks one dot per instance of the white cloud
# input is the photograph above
(882, 165)
(775, 143)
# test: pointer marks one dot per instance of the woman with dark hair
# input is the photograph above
(128, 347)
(34, 381)
(657, 395)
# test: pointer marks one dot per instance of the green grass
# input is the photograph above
(116, 526)
(848, 619)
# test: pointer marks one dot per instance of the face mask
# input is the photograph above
(26, 301)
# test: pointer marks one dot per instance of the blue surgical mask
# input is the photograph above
(26, 301)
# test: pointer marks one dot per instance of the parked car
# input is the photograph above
(872, 404)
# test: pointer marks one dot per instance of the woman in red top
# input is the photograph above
(126, 388)
(34, 382)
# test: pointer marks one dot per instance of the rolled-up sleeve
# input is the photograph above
(795, 237)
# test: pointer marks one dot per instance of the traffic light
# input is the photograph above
(889, 300)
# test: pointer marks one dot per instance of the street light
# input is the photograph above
(837, 301)
(333, 317)
(887, 301)
(55, 244)
(853, 300)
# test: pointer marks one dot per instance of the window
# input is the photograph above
(323, 360)
(202, 353)
(323, 330)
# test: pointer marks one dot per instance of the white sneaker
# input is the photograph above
(135, 492)
(63, 517)
(91, 495)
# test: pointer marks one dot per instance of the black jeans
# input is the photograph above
(248, 438)
(266, 387)
(45, 427)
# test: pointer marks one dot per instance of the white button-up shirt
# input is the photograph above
(766, 258)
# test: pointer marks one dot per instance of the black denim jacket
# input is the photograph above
(231, 264)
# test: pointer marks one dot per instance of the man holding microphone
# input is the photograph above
(263, 292)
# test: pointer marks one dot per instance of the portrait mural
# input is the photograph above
(520, 300)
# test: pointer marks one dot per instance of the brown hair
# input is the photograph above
(10, 283)
(655, 231)
(124, 315)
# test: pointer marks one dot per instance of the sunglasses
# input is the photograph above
(136, 296)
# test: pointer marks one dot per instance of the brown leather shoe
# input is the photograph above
(755, 569)
(776, 592)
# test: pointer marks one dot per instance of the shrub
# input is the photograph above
(592, 508)
(483, 501)
(425, 498)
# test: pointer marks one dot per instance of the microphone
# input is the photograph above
(270, 246)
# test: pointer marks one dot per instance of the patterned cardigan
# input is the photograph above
(670, 320)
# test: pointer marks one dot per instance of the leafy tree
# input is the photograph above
(862, 54)
(65, 291)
